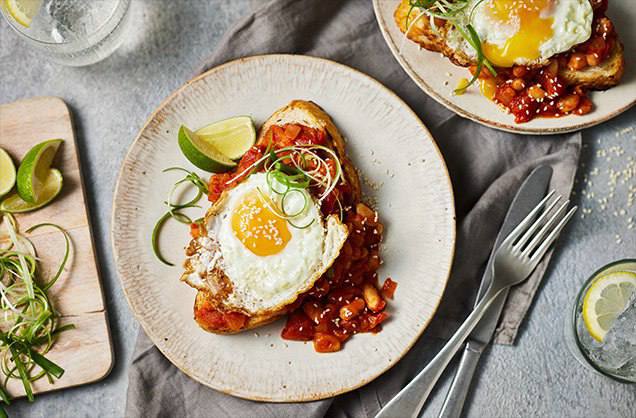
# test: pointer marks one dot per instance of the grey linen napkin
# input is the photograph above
(486, 167)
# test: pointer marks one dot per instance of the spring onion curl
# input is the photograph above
(175, 208)
(298, 174)
(454, 12)
(29, 323)
(290, 169)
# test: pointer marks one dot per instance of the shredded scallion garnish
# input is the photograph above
(455, 12)
(290, 169)
(175, 209)
(29, 323)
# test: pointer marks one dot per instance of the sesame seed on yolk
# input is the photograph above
(532, 30)
(259, 229)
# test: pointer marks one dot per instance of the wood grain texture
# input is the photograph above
(84, 352)
(406, 179)
(438, 77)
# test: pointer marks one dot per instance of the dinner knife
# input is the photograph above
(528, 196)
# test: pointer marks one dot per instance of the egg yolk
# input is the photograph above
(259, 229)
(532, 30)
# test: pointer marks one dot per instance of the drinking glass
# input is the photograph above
(615, 356)
(75, 32)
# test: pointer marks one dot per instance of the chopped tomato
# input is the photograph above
(310, 136)
(292, 134)
(217, 184)
(388, 288)
(326, 343)
(212, 319)
(523, 107)
(372, 322)
(249, 158)
(280, 140)
(552, 84)
(291, 131)
(298, 327)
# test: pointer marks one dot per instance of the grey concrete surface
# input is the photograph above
(112, 99)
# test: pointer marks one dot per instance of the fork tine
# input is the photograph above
(541, 220)
(543, 248)
(558, 214)
(512, 237)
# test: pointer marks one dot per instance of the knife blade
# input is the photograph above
(528, 196)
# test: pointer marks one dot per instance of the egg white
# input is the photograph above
(265, 283)
(572, 25)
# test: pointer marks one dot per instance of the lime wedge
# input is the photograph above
(35, 168)
(203, 154)
(23, 11)
(7, 173)
(231, 137)
(50, 188)
(606, 298)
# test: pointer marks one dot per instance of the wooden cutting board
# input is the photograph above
(84, 352)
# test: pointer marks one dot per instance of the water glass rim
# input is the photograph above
(573, 318)
(19, 28)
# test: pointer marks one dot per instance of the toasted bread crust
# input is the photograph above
(298, 111)
(600, 77)
(314, 116)
(204, 298)
(422, 33)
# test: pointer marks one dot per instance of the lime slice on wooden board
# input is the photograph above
(34, 170)
(23, 11)
(7, 173)
(606, 298)
(231, 137)
(202, 153)
(50, 189)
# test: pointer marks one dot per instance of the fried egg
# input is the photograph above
(526, 32)
(254, 261)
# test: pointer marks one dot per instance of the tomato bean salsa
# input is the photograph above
(530, 92)
(348, 298)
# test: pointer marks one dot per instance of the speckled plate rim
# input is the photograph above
(519, 129)
(237, 392)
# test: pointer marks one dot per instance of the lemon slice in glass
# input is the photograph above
(231, 137)
(203, 154)
(7, 173)
(50, 189)
(34, 170)
(23, 11)
(606, 298)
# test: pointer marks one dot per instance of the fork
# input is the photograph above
(517, 257)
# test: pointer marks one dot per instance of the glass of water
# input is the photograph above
(601, 330)
(72, 32)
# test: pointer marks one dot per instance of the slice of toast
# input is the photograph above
(309, 114)
(600, 77)
(297, 112)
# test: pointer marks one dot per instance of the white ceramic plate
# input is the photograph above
(386, 141)
(437, 76)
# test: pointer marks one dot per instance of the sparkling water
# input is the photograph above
(77, 32)
(616, 354)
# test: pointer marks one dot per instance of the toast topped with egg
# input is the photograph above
(270, 235)
(563, 47)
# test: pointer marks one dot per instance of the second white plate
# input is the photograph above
(437, 76)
